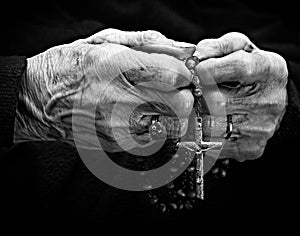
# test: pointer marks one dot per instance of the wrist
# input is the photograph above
(31, 123)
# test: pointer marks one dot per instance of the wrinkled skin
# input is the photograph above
(103, 70)
(102, 75)
(252, 85)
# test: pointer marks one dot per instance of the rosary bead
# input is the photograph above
(197, 92)
(191, 62)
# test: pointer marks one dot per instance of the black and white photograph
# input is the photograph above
(149, 116)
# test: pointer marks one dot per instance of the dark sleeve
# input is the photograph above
(286, 138)
(11, 72)
(290, 123)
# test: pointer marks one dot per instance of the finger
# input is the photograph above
(173, 104)
(173, 109)
(176, 128)
(129, 38)
(224, 45)
(156, 71)
(239, 66)
(180, 102)
(277, 68)
(111, 61)
(245, 68)
(149, 41)
(178, 50)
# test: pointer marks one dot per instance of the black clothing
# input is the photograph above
(11, 71)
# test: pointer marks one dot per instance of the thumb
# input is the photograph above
(227, 44)
(149, 41)
(128, 38)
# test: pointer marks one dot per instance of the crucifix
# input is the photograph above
(198, 145)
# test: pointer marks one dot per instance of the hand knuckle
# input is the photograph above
(212, 44)
(226, 46)
(258, 152)
(282, 67)
(251, 154)
(275, 66)
(255, 151)
(281, 100)
(107, 32)
(236, 35)
(248, 67)
(269, 131)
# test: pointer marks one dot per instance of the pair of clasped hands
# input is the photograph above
(110, 79)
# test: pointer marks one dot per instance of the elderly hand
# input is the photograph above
(252, 85)
(107, 88)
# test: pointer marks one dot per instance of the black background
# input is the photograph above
(46, 187)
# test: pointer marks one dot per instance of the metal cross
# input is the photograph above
(199, 146)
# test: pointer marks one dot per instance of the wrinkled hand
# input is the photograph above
(106, 85)
(252, 85)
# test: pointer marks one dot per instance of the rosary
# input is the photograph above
(198, 146)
